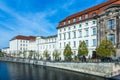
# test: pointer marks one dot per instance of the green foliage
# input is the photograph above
(82, 49)
(24, 54)
(30, 54)
(46, 54)
(1, 54)
(106, 48)
(56, 54)
(67, 52)
(38, 55)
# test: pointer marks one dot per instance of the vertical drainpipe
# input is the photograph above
(117, 31)
(17, 46)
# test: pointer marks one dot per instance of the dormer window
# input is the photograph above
(64, 23)
(86, 16)
(68, 21)
(74, 20)
(94, 14)
(80, 18)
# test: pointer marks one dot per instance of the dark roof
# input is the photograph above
(90, 11)
(24, 37)
(48, 36)
(5, 47)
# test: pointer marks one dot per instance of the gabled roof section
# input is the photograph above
(89, 11)
(24, 37)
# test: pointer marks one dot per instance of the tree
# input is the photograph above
(106, 48)
(18, 54)
(82, 49)
(1, 54)
(46, 54)
(38, 55)
(67, 53)
(56, 54)
(24, 54)
(31, 54)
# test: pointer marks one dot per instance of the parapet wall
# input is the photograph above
(100, 69)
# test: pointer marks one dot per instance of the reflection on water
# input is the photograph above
(18, 71)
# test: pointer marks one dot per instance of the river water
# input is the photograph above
(19, 71)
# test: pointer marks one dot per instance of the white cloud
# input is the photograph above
(27, 24)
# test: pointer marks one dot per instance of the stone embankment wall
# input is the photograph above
(100, 69)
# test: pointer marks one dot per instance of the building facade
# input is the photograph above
(109, 25)
(73, 34)
(6, 50)
(90, 25)
(20, 44)
(48, 43)
(86, 26)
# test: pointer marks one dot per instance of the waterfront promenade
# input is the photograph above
(106, 70)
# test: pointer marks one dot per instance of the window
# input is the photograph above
(64, 23)
(60, 45)
(80, 18)
(53, 46)
(86, 31)
(86, 24)
(86, 16)
(60, 36)
(74, 27)
(112, 38)
(68, 21)
(94, 22)
(74, 20)
(69, 43)
(20, 48)
(80, 25)
(74, 52)
(68, 35)
(79, 42)
(64, 29)
(80, 33)
(86, 42)
(94, 31)
(74, 34)
(74, 43)
(60, 30)
(94, 14)
(111, 24)
(69, 28)
(64, 44)
(64, 36)
(94, 42)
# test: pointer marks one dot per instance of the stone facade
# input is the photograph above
(109, 25)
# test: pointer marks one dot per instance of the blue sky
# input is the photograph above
(36, 17)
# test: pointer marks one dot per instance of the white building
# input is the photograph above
(47, 43)
(6, 50)
(75, 33)
(83, 26)
(20, 43)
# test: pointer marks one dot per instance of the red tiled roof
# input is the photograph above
(89, 11)
(25, 37)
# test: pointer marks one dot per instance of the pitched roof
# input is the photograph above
(89, 11)
(24, 37)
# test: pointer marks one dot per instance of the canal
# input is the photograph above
(19, 71)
